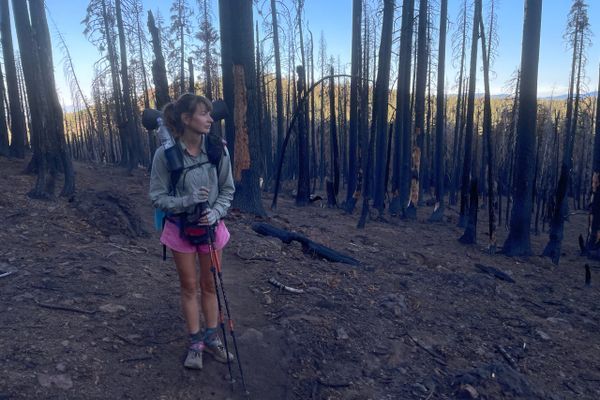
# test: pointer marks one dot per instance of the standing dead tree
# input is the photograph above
(50, 154)
(518, 241)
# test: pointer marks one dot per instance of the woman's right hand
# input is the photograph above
(198, 196)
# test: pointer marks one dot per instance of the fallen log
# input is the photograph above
(308, 246)
(285, 236)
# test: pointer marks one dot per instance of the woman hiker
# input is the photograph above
(201, 196)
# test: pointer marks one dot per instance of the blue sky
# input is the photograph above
(333, 17)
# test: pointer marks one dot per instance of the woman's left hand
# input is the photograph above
(209, 217)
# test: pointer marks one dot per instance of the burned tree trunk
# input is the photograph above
(466, 169)
(49, 144)
(402, 133)
(487, 137)
(17, 117)
(134, 146)
(278, 85)
(470, 234)
(335, 162)
(593, 236)
(303, 194)
(4, 149)
(438, 212)
(420, 84)
(239, 80)
(354, 100)
(458, 113)
(518, 241)
(159, 72)
(191, 80)
(380, 106)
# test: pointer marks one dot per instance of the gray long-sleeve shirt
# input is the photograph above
(220, 184)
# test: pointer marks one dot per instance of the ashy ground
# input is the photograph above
(88, 309)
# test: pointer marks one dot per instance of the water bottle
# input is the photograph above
(174, 159)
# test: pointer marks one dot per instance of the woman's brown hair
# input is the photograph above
(186, 103)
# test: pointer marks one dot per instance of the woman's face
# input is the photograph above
(200, 121)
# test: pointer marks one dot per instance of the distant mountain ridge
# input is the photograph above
(564, 96)
(555, 97)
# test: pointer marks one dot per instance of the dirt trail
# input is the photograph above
(91, 311)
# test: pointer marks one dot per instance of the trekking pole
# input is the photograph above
(216, 270)
(221, 318)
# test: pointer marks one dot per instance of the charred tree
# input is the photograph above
(380, 104)
(593, 236)
(518, 241)
(470, 234)
(333, 185)
(438, 211)
(159, 71)
(17, 117)
(239, 90)
(303, 194)
(4, 149)
(50, 154)
(278, 84)
(134, 146)
(402, 130)
(458, 116)
(487, 138)
(419, 107)
(578, 36)
(354, 101)
(466, 169)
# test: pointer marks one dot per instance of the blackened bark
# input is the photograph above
(593, 237)
(518, 241)
(4, 149)
(278, 85)
(303, 194)
(466, 169)
(17, 117)
(380, 106)
(335, 161)
(191, 80)
(50, 149)
(159, 72)
(239, 89)
(487, 137)
(458, 116)
(420, 85)
(470, 234)
(402, 133)
(134, 146)
(354, 101)
(438, 212)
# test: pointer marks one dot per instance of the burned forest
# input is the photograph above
(399, 199)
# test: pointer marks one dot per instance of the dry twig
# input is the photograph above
(281, 286)
(64, 308)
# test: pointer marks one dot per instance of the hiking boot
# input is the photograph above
(217, 350)
(193, 360)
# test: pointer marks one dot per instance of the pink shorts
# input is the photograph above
(170, 237)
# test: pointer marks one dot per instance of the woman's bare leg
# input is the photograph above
(208, 296)
(186, 269)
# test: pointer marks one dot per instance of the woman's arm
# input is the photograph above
(226, 185)
(160, 182)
